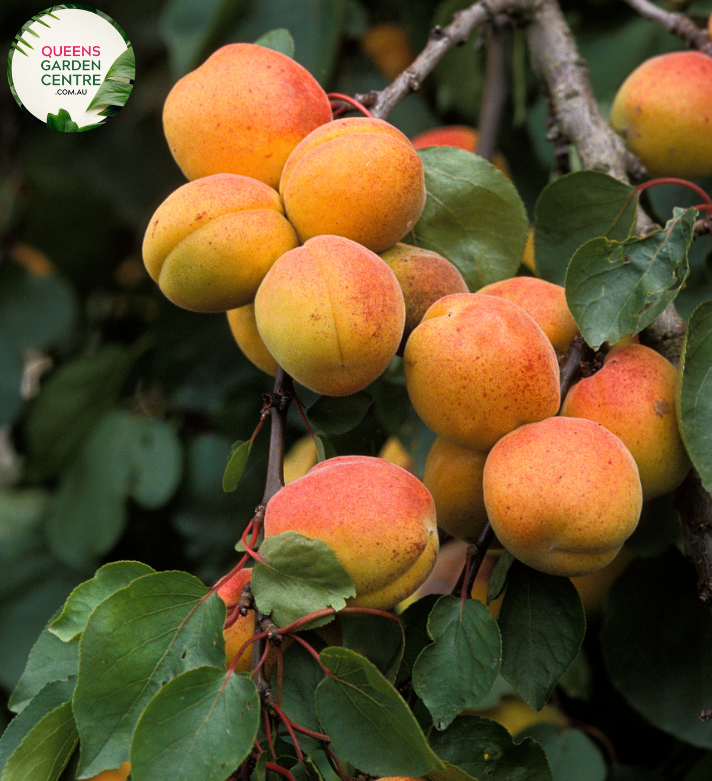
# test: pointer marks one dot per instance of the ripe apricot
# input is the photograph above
(244, 330)
(239, 632)
(117, 774)
(562, 495)
(211, 241)
(425, 277)
(378, 518)
(242, 111)
(663, 110)
(453, 475)
(357, 177)
(479, 366)
(633, 395)
(545, 302)
(331, 313)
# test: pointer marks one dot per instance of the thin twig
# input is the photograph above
(675, 23)
(441, 40)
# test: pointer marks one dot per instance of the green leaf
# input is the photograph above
(498, 578)
(695, 393)
(45, 701)
(415, 622)
(339, 415)
(381, 640)
(201, 725)
(45, 750)
(301, 675)
(473, 216)
(125, 455)
(575, 208)
(62, 121)
(49, 660)
(299, 576)
(236, 465)
(571, 753)
(324, 449)
(617, 288)
(136, 641)
(114, 90)
(484, 749)
(189, 26)
(542, 624)
(21, 509)
(111, 93)
(155, 456)
(86, 596)
(368, 721)
(35, 309)
(458, 669)
(124, 66)
(279, 40)
(70, 402)
(656, 636)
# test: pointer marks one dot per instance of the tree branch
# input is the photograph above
(675, 23)
(496, 89)
(441, 40)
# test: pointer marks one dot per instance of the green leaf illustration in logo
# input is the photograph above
(62, 121)
(117, 85)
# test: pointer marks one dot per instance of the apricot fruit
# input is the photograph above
(239, 632)
(633, 395)
(243, 328)
(562, 495)
(211, 242)
(461, 136)
(425, 277)
(528, 260)
(331, 313)
(357, 177)
(453, 475)
(544, 301)
(242, 111)
(515, 715)
(378, 518)
(477, 367)
(663, 111)
(117, 774)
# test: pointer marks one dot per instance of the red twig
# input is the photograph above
(337, 98)
(674, 180)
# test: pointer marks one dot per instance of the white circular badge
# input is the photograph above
(71, 68)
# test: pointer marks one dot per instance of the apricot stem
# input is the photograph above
(476, 552)
(280, 770)
(336, 97)
(277, 403)
(675, 180)
(571, 365)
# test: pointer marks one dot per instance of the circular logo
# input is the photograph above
(71, 68)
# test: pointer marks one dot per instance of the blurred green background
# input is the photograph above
(117, 409)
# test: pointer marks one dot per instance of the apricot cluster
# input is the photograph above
(292, 224)
(562, 484)
(285, 217)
